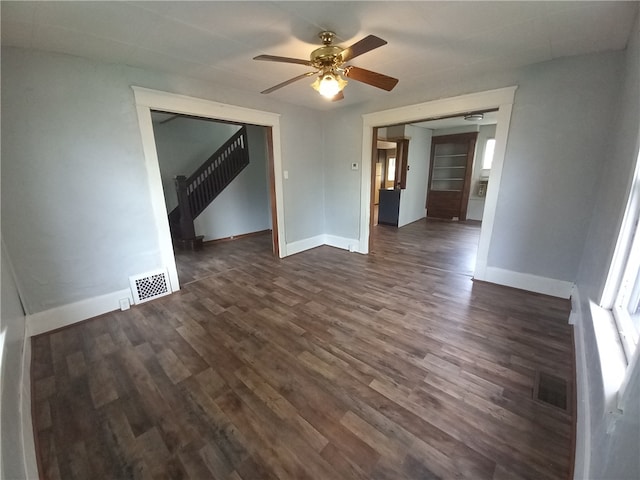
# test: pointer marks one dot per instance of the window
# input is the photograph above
(626, 309)
(487, 157)
(622, 291)
(391, 170)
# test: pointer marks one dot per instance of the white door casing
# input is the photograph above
(502, 99)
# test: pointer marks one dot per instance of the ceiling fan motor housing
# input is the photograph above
(327, 56)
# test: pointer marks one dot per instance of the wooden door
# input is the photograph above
(450, 175)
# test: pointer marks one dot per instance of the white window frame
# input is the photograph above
(622, 275)
(488, 142)
(627, 293)
(391, 170)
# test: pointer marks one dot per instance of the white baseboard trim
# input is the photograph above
(583, 403)
(64, 315)
(26, 421)
(363, 247)
(350, 244)
(525, 281)
(305, 244)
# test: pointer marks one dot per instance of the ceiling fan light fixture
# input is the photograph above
(329, 84)
(329, 61)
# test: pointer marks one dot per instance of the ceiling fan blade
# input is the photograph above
(274, 58)
(291, 80)
(363, 46)
(338, 96)
(371, 78)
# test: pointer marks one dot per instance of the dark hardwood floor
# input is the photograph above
(441, 244)
(323, 365)
(218, 257)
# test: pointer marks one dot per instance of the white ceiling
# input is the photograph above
(216, 41)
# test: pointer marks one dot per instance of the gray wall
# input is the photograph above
(12, 327)
(413, 199)
(613, 455)
(76, 211)
(341, 184)
(455, 130)
(553, 155)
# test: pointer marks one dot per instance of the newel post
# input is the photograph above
(187, 230)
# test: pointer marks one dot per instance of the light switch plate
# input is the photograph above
(354, 166)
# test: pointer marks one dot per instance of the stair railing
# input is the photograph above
(196, 192)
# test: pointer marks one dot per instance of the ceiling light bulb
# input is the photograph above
(329, 84)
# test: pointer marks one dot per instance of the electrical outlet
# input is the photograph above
(124, 304)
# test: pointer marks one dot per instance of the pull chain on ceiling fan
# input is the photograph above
(329, 62)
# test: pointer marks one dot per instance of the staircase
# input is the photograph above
(196, 192)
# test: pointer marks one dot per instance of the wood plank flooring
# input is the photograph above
(323, 365)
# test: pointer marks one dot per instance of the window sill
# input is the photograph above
(613, 363)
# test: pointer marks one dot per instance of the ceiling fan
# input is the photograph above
(329, 62)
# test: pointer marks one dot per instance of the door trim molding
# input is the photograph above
(147, 99)
(501, 98)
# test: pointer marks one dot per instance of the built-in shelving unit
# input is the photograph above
(450, 174)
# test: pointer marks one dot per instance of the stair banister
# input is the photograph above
(197, 191)
(187, 228)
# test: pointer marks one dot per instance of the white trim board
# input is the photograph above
(502, 99)
(146, 100)
(305, 244)
(582, 458)
(528, 282)
(319, 240)
(350, 244)
(26, 421)
(596, 421)
(71, 313)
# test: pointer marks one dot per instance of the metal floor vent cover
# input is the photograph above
(551, 390)
(150, 285)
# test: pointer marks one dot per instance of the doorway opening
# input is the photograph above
(220, 170)
(500, 101)
(441, 173)
(148, 100)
